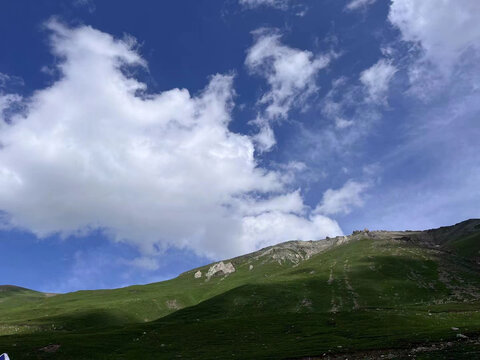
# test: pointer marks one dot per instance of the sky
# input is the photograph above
(140, 139)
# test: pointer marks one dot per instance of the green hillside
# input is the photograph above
(14, 296)
(366, 295)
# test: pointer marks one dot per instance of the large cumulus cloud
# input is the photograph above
(96, 150)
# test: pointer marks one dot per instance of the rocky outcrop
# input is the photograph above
(294, 252)
(448, 233)
(297, 251)
(53, 348)
(220, 269)
(173, 304)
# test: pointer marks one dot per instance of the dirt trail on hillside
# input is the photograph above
(353, 295)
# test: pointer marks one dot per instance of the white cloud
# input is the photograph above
(376, 80)
(342, 200)
(3, 79)
(8, 100)
(446, 51)
(290, 73)
(272, 225)
(96, 150)
(287, 203)
(8, 81)
(278, 4)
(341, 123)
(352, 114)
(359, 4)
(297, 7)
(144, 262)
(265, 138)
(444, 28)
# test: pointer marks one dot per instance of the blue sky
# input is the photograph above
(139, 140)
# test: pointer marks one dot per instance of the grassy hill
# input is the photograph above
(375, 293)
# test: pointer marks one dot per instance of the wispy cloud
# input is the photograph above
(278, 4)
(358, 4)
(376, 80)
(431, 172)
(290, 73)
(87, 4)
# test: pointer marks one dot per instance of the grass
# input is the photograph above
(254, 337)
(468, 246)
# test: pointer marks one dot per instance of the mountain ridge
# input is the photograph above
(307, 248)
(434, 236)
(369, 290)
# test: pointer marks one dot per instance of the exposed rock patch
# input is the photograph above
(198, 274)
(297, 251)
(173, 304)
(220, 269)
(306, 303)
(53, 348)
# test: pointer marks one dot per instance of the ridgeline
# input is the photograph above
(369, 295)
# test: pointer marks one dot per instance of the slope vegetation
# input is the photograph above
(400, 293)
